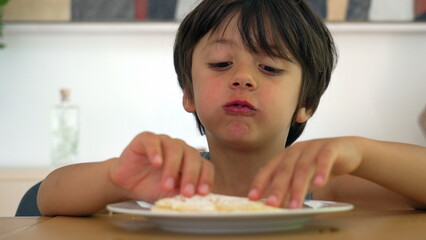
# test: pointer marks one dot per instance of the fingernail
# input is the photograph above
(318, 180)
(157, 159)
(189, 189)
(294, 204)
(272, 200)
(204, 188)
(253, 194)
(170, 183)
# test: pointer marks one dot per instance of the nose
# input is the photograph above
(243, 80)
(246, 84)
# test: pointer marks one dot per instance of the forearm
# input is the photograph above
(80, 189)
(396, 166)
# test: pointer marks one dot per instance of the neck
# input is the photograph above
(235, 169)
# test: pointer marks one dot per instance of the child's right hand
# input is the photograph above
(155, 166)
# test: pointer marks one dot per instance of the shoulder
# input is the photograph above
(205, 155)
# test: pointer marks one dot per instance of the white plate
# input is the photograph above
(232, 222)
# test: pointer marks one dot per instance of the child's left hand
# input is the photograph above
(285, 179)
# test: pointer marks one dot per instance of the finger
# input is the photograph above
(301, 179)
(148, 144)
(280, 185)
(173, 157)
(191, 168)
(262, 179)
(286, 201)
(205, 182)
(324, 163)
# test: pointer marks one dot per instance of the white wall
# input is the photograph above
(378, 89)
(122, 78)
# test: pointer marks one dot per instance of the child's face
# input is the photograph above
(242, 99)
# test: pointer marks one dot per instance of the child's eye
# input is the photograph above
(220, 65)
(271, 70)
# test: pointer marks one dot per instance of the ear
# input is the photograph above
(302, 115)
(188, 102)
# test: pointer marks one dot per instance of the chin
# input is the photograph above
(241, 132)
(241, 140)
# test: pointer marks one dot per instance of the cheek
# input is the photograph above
(206, 94)
(206, 88)
(281, 104)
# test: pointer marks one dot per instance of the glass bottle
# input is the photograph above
(64, 131)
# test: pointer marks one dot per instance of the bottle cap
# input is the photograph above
(65, 94)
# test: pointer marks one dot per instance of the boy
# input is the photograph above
(252, 73)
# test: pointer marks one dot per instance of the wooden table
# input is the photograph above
(356, 224)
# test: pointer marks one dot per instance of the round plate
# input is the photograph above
(231, 222)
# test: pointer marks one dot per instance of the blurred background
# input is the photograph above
(116, 58)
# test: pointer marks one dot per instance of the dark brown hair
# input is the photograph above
(296, 31)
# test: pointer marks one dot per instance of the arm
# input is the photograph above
(80, 189)
(151, 167)
(398, 167)
(395, 166)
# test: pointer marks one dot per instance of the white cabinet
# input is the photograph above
(14, 183)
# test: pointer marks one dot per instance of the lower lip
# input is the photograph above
(239, 110)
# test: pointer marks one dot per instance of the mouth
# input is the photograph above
(239, 107)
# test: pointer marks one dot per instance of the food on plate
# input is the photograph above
(210, 203)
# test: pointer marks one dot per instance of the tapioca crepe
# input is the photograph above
(210, 203)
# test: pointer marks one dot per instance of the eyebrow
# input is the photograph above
(230, 42)
(223, 41)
